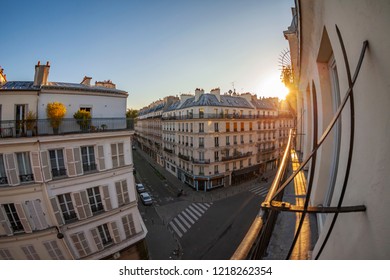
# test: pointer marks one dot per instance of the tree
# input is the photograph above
(131, 113)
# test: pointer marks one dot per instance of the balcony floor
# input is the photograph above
(287, 222)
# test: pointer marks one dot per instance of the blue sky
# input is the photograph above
(150, 49)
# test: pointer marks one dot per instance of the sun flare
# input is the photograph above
(273, 87)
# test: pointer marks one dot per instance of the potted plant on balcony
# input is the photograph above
(83, 118)
(31, 121)
(55, 111)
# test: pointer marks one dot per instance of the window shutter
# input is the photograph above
(77, 160)
(128, 225)
(70, 162)
(114, 155)
(114, 232)
(106, 198)
(46, 166)
(5, 254)
(57, 211)
(85, 200)
(82, 205)
(36, 167)
(13, 178)
(4, 223)
(118, 188)
(30, 252)
(96, 237)
(100, 159)
(121, 154)
(36, 214)
(53, 250)
(125, 191)
(81, 244)
(22, 217)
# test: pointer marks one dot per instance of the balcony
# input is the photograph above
(183, 157)
(58, 172)
(236, 156)
(26, 178)
(168, 150)
(42, 127)
(200, 161)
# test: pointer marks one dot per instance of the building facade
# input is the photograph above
(327, 43)
(211, 140)
(69, 195)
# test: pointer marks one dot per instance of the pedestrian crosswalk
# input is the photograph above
(259, 190)
(188, 217)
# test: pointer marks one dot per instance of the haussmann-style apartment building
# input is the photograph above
(66, 193)
(211, 140)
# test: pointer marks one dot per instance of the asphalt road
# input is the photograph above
(214, 234)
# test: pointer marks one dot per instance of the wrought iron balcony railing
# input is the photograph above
(255, 242)
(41, 127)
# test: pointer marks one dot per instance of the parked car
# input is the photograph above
(140, 188)
(146, 198)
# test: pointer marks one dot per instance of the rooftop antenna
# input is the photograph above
(234, 90)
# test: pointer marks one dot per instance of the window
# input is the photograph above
(216, 169)
(53, 250)
(201, 170)
(250, 138)
(234, 165)
(216, 141)
(191, 127)
(242, 139)
(250, 126)
(3, 176)
(57, 163)
(241, 163)
(201, 155)
(117, 155)
(122, 192)
(216, 128)
(235, 139)
(242, 126)
(227, 140)
(13, 217)
(5, 254)
(95, 199)
(235, 126)
(228, 127)
(81, 244)
(216, 156)
(201, 142)
(88, 158)
(128, 225)
(201, 113)
(226, 166)
(66, 206)
(30, 252)
(249, 161)
(104, 234)
(201, 127)
(24, 165)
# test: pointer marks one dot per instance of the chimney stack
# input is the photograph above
(41, 74)
(217, 93)
(198, 93)
(86, 81)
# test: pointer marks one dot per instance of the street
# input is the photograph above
(195, 225)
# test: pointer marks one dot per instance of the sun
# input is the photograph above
(272, 86)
